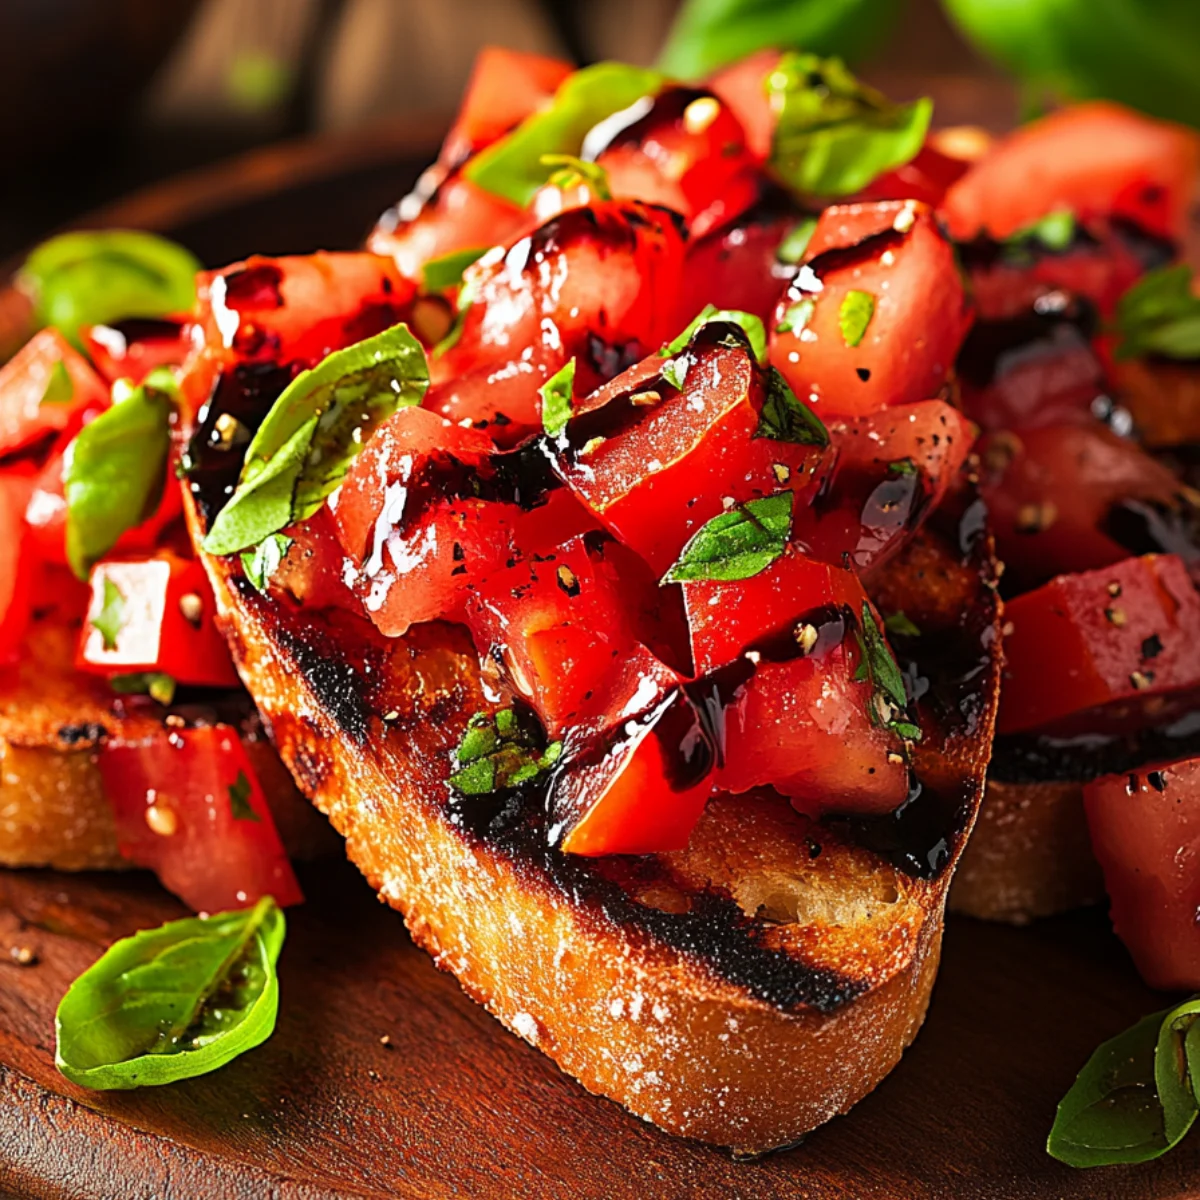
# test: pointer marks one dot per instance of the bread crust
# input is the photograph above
(740, 992)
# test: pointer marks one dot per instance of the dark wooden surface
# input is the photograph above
(453, 1105)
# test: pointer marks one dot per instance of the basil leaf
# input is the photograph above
(791, 249)
(446, 272)
(835, 135)
(707, 34)
(797, 316)
(899, 622)
(1055, 231)
(173, 1002)
(100, 276)
(239, 799)
(498, 752)
(557, 394)
(750, 325)
(314, 431)
(513, 168)
(855, 315)
(114, 472)
(263, 561)
(881, 665)
(902, 466)
(155, 684)
(1160, 314)
(1175, 1059)
(737, 544)
(786, 418)
(110, 620)
(573, 172)
(59, 388)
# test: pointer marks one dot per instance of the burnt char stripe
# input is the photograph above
(334, 682)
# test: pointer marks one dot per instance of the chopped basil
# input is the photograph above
(173, 1002)
(675, 370)
(263, 561)
(855, 315)
(573, 172)
(1055, 231)
(797, 316)
(498, 752)
(110, 620)
(240, 792)
(1160, 315)
(155, 684)
(97, 277)
(115, 469)
(749, 324)
(786, 418)
(1136, 1097)
(834, 135)
(737, 544)
(791, 249)
(557, 394)
(902, 466)
(59, 388)
(446, 272)
(314, 431)
(899, 622)
(890, 699)
(513, 167)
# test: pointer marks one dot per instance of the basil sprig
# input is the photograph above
(158, 685)
(498, 752)
(748, 323)
(173, 1002)
(115, 469)
(97, 277)
(557, 395)
(1136, 1097)
(834, 134)
(737, 544)
(513, 166)
(889, 701)
(314, 431)
(1160, 314)
(786, 418)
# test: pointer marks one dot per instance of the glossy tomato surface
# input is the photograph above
(17, 565)
(132, 349)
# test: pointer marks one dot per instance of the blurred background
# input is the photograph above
(100, 97)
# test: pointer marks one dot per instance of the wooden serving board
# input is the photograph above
(450, 1104)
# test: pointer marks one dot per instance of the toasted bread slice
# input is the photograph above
(53, 719)
(742, 991)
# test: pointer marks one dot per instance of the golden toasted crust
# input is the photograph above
(742, 991)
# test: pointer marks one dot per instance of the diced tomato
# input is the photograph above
(17, 568)
(1074, 497)
(743, 87)
(1094, 160)
(654, 463)
(154, 615)
(132, 349)
(188, 805)
(644, 793)
(1107, 649)
(1145, 829)
(44, 388)
(562, 624)
(311, 569)
(425, 512)
(926, 178)
(893, 469)
(599, 284)
(875, 315)
(505, 87)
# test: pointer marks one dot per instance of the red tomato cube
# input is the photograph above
(132, 349)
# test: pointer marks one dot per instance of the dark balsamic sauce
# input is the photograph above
(1153, 527)
(633, 125)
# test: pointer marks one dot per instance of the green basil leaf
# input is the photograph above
(707, 34)
(1160, 314)
(155, 684)
(114, 472)
(749, 324)
(881, 665)
(263, 561)
(314, 431)
(97, 277)
(1054, 231)
(558, 393)
(1175, 1060)
(855, 315)
(902, 466)
(834, 134)
(797, 316)
(573, 172)
(675, 370)
(110, 620)
(59, 388)
(239, 799)
(737, 544)
(173, 1002)
(498, 752)
(791, 249)
(446, 272)
(899, 622)
(786, 418)
(513, 168)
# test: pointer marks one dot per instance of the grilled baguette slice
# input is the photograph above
(741, 992)
(53, 719)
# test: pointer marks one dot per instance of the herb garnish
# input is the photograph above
(855, 315)
(890, 699)
(263, 561)
(571, 172)
(748, 323)
(438, 274)
(737, 544)
(786, 418)
(156, 684)
(110, 620)
(314, 431)
(795, 243)
(496, 752)
(557, 394)
(797, 316)
(1055, 232)
(1160, 314)
(899, 622)
(240, 792)
(59, 388)
(173, 1002)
